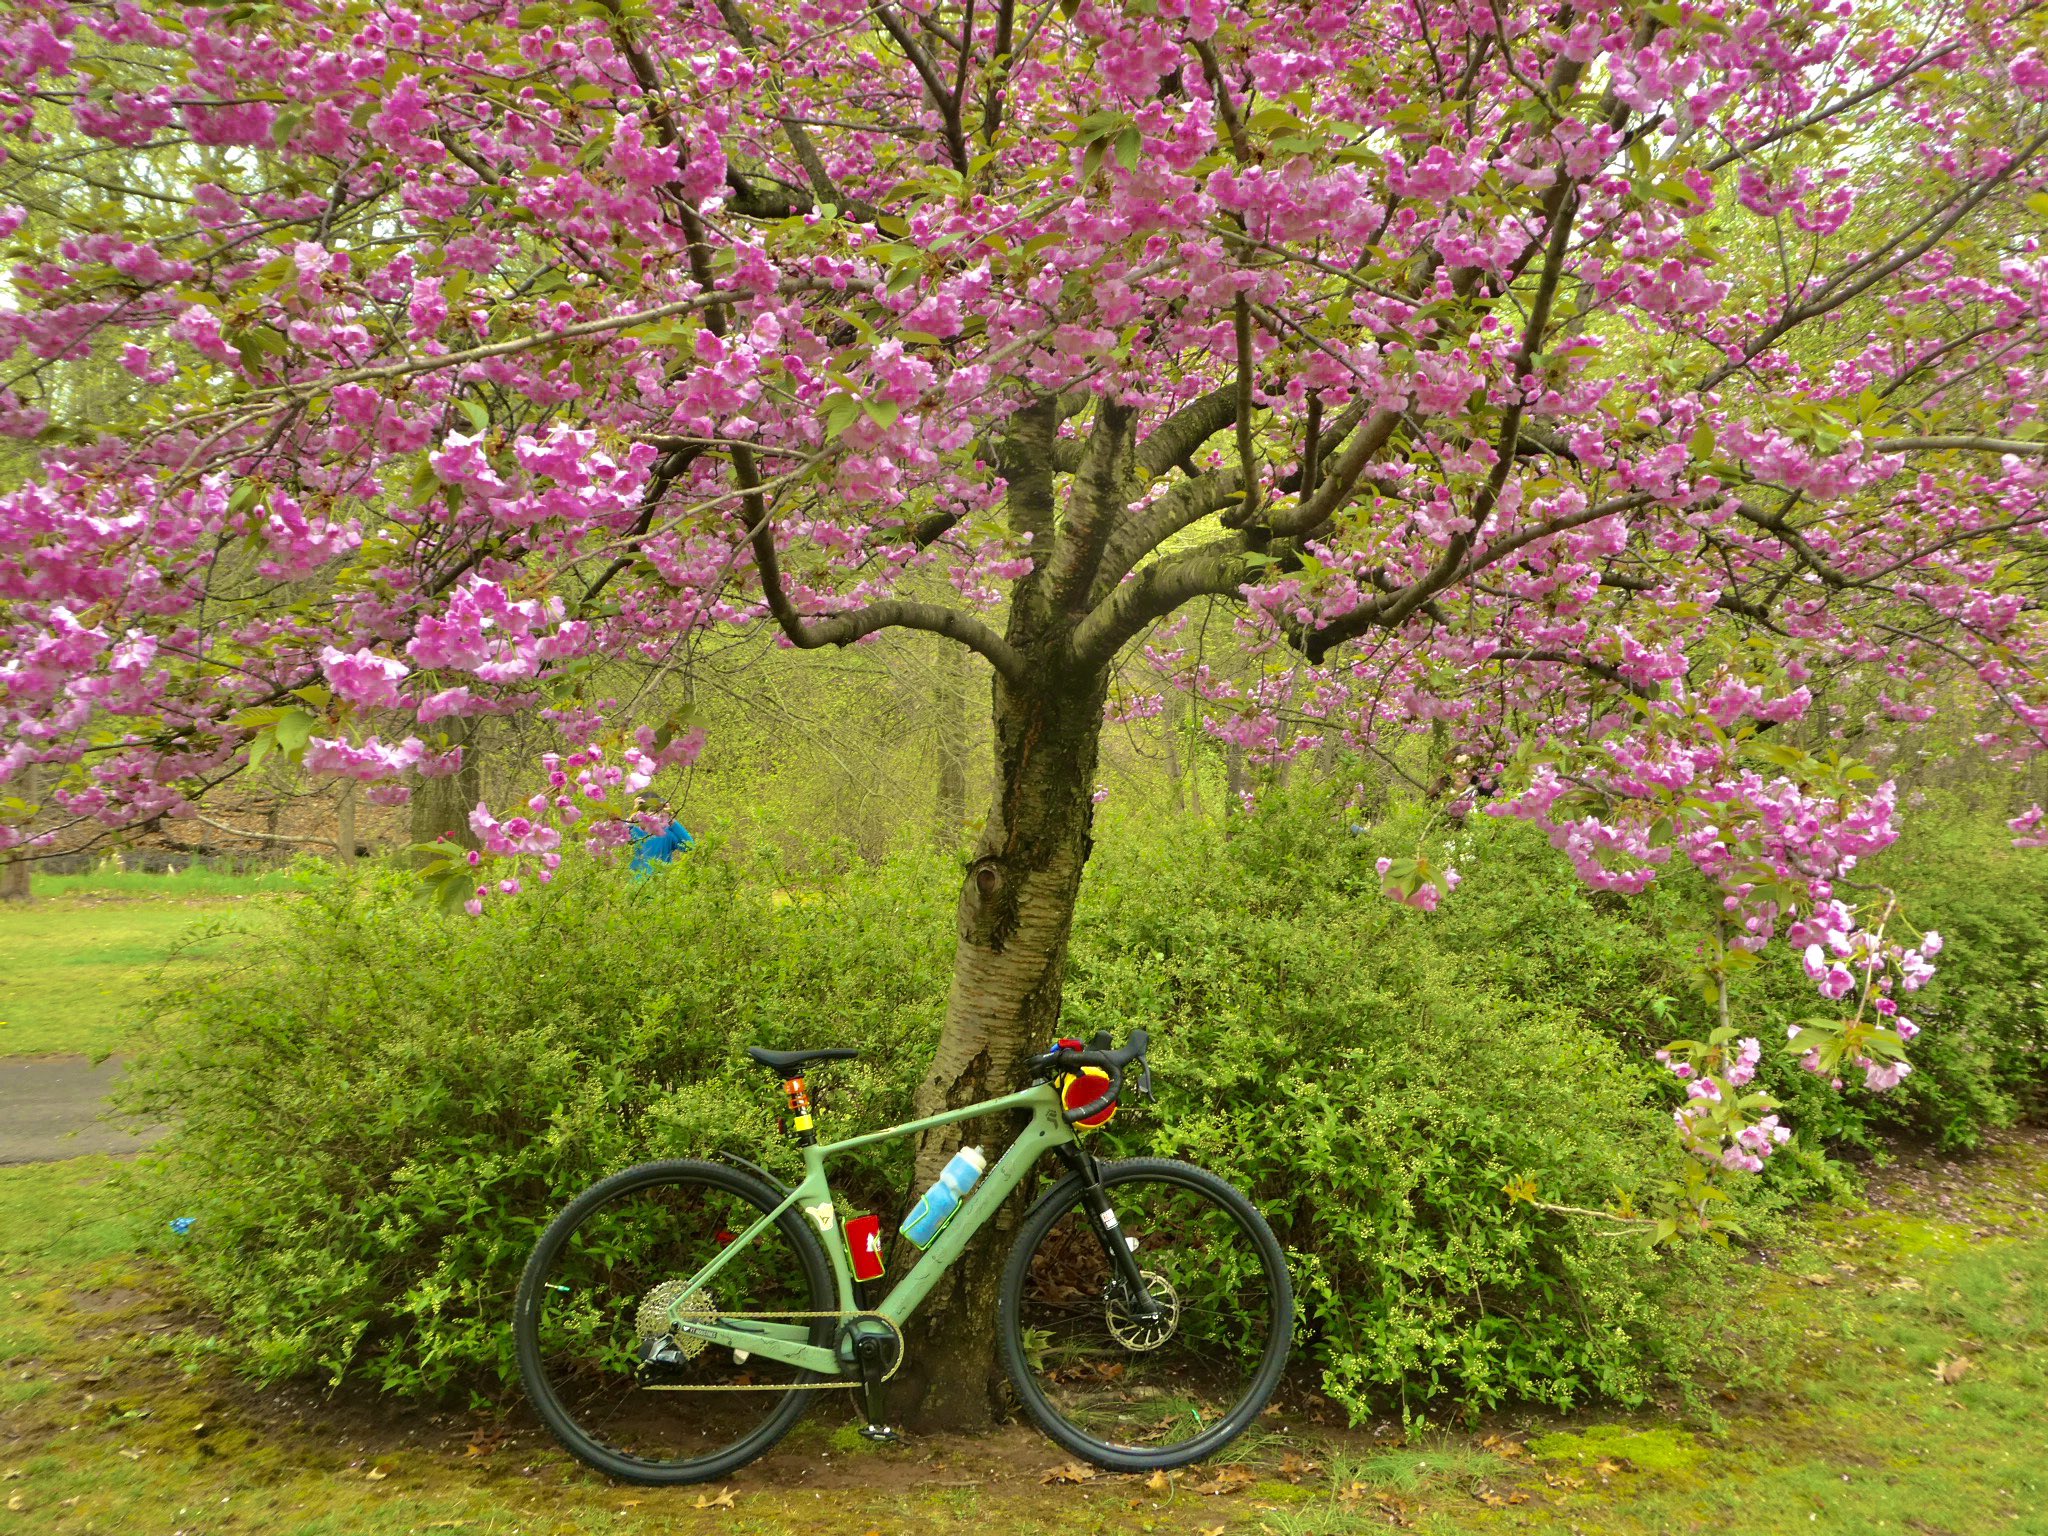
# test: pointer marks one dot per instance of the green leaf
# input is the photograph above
(839, 413)
(293, 729)
(424, 481)
(479, 418)
(1128, 145)
(1702, 442)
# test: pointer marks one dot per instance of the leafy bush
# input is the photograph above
(1374, 1084)
(381, 1105)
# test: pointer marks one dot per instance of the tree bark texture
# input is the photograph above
(1015, 912)
(345, 825)
(952, 696)
(1016, 906)
(440, 807)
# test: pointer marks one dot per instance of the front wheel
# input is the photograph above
(1135, 1388)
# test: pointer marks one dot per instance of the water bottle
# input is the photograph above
(943, 1198)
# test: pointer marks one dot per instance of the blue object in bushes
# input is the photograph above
(652, 848)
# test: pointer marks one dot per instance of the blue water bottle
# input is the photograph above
(943, 1198)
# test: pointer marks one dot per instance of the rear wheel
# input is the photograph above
(1129, 1391)
(606, 1369)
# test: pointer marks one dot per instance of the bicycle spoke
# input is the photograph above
(1115, 1377)
(615, 1375)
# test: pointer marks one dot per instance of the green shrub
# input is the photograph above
(1375, 1085)
(380, 1106)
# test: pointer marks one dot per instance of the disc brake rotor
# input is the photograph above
(1144, 1333)
(670, 1303)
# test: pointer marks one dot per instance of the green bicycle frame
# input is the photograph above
(789, 1343)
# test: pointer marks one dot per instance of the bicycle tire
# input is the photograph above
(529, 1306)
(1064, 1200)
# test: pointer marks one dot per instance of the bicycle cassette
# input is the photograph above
(668, 1304)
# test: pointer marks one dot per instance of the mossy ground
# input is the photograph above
(1917, 1401)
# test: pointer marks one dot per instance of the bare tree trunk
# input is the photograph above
(14, 873)
(345, 825)
(440, 807)
(1174, 715)
(1015, 912)
(1233, 779)
(949, 811)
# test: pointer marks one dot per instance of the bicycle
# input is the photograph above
(675, 1319)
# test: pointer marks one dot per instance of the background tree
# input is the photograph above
(1584, 383)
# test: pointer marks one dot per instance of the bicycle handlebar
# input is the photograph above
(1063, 1059)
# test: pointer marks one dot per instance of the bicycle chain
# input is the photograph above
(794, 1386)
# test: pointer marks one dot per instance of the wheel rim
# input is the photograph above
(664, 1400)
(1117, 1379)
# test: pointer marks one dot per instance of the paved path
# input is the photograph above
(54, 1107)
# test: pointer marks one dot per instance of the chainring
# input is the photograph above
(666, 1305)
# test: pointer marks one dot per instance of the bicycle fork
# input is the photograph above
(1117, 1245)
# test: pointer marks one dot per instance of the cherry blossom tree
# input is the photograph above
(1581, 380)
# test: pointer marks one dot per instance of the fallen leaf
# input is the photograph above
(1212, 1530)
(1070, 1472)
(17, 1503)
(1488, 1497)
(1518, 1497)
(1227, 1480)
(1607, 1468)
(1818, 1279)
(1905, 1283)
(1951, 1371)
(1158, 1482)
(719, 1500)
(376, 1474)
(1297, 1467)
(132, 1454)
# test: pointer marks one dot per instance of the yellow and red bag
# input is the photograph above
(1085, 1087)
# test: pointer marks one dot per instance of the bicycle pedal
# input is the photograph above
(881, 1434)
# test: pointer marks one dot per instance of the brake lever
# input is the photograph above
(1144, 1077)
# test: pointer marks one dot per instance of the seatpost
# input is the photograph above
(800, 1112)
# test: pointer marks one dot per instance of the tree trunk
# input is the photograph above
(345, 825)
(14, 872)
(1173, 716)
(949, 810)
(1234, 780)
(440, 807)
(1015, 912)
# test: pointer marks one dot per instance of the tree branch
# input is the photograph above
(1218, 568)
(948, 105)
(1962, 443)
(262, 837)
(1187, 429)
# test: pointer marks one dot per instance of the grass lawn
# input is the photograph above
(1916, 1406)
(74, 962)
